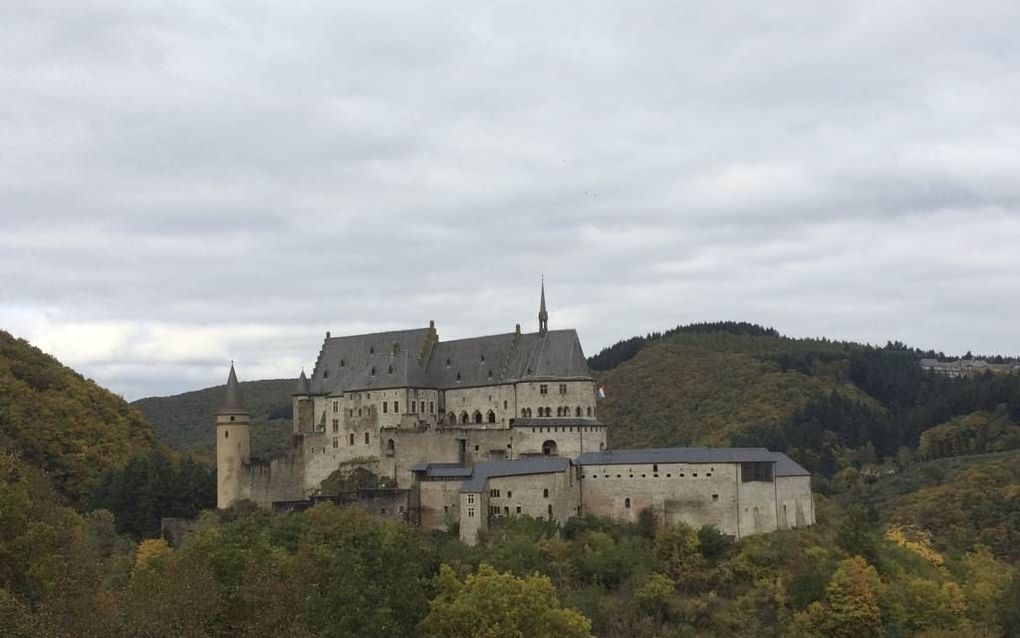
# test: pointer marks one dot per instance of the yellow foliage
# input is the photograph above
(150, 549)
(916, 540)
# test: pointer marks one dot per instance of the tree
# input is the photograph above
(850, 608)
(491, 604)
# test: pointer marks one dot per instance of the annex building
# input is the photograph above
(500, 425)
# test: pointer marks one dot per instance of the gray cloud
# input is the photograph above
(183, 186)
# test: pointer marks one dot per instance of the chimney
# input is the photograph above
(518, 330)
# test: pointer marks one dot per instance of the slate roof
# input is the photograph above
(442, 470)
(391, 360)
(520, 467)
(232, 402)
(785, 466)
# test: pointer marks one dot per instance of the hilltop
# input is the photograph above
(61, 422)
(185, 421)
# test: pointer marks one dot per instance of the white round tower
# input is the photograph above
(233, 443)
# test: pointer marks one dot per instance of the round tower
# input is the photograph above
(233, 443)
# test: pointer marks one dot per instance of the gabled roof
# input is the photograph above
(413, 358)
(378, 360)
(520, 467)
(785, 466)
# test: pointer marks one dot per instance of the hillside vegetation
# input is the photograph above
(63, 423)
(186, 422)
(828, 404)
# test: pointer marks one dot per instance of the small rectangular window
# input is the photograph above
(563, 388)
(715, 497)
(385, 407)
(543, 389)
(396, 407)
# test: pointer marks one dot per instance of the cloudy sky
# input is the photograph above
(182, 184)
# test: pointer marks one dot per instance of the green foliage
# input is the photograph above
(975, 433)
(150, 487)
(491, 604)
(184, 422)
(61, 422)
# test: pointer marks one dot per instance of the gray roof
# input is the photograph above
(785, 466)
(520, 467)
(441, 470)
(232, 402)
(678, 455)
(554, 422)
(302, 384)
(414, 358)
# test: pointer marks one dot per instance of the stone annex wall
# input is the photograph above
(797, 506)
(693, 493)
(550, 495)
(439, 503)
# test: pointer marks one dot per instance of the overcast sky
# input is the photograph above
(182, 184)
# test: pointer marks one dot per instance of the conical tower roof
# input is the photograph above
(232, 403)
(302, 384)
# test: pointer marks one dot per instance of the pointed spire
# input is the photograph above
(302, 384)
(232, 403)
(543, 314)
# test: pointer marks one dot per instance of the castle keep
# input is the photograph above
(490, 426)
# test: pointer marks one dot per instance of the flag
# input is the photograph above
(601, 392)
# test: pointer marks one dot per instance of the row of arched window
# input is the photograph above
(563, 411)
(465, 418)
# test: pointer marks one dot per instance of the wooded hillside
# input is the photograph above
(63, 423)
(186, 422)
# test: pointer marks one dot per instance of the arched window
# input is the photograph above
(478, 416)
(548, 411)
(578, 411)
(549, 448)
(545, 493)
(589, 410)
(464, 418)
(391, 447)
(524, 413)
(452, 418)
(491, 416)
(626, 503)
(366, 438)
(351, 438)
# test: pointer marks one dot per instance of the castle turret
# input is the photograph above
(543, 315)
(233, 443)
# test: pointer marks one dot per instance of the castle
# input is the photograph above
(499, 425)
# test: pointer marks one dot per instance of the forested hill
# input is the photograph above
(63, 423)
(829, 404)
(186, 421)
